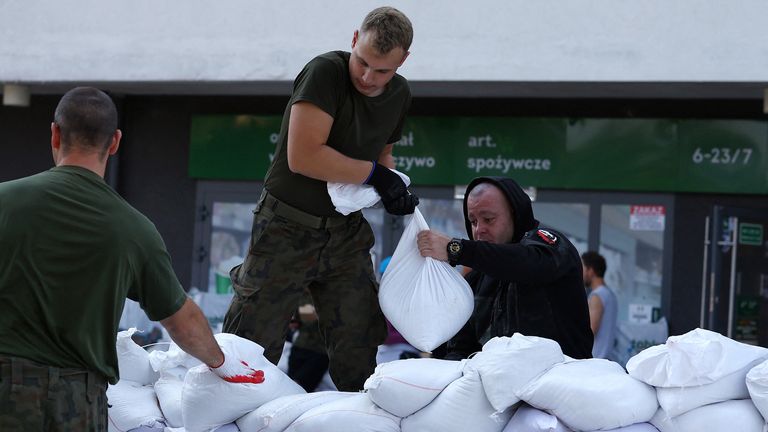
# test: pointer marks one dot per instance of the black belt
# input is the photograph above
(291, 213)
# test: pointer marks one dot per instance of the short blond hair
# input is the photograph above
(390, 27)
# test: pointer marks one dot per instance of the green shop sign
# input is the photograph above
(751, 234)
(609, 154)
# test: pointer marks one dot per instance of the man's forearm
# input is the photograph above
(328, 164)
(189, 328)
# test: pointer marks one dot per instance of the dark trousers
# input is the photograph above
(307, 367)
(37, 398)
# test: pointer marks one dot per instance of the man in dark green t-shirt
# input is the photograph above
(71, 251)
(344, 116)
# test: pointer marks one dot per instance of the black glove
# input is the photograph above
(395, 196)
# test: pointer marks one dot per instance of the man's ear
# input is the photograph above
(355, 36)
(115, 142)
(55, 136)
(404, 57)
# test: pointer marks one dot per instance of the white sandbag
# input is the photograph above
(530, 419)
(229, 427)
(592, 394)
(348, 198)
(133, 360)
(173, 358)
(757, 385)
(695, 358)
(729, 416)
(168, 390)
(403, 387)
(282, 364)
(678, 400)
(352, 414)
(326, 383)
(637, 427)
(632, 338)
(461, 407)
(208, 401)
(276, 415)
(148, 429)
(426, 300)
(508, 364)
(132, 405)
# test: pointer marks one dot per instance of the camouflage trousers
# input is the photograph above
(334, 264)
(37, 398)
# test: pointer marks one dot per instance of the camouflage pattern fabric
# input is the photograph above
(35, 397)
(310, 337)
(334, 264)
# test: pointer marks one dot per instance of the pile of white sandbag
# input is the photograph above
(188, 394)
(701, 382)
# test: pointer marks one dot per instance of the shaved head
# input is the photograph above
(87, 118)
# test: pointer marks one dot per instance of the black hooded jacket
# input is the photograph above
(532, 285)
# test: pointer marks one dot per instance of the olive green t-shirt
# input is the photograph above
(362, 126)
(71, 250)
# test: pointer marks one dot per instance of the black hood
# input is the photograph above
(519, 200)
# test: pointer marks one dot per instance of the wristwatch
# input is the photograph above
(454, 251)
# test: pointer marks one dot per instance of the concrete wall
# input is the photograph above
(495, 40)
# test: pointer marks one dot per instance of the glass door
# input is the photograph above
(737, 294)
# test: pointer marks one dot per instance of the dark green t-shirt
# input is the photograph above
(71, 250)
(362, 126)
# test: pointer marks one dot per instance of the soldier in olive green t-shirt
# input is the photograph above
(344, 116)
(71, 251)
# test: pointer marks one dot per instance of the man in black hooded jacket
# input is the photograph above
(526, 279)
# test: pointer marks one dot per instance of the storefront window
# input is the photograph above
(230, 238)
(632, 242)
(570, 219)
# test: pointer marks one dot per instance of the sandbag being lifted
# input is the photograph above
(426, 300)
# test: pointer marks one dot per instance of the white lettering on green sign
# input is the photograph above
(504, 165)
(406, 163)
(751, 234)
(406, 140)
(481, 141)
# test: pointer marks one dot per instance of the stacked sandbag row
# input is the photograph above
(515, 384)
(701, 382)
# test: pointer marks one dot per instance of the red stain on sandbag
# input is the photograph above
(256, 377)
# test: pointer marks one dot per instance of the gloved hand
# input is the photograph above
(237, 371)
(395, 196)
